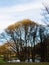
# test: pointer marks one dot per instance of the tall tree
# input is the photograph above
(22, 38)
(42, 36)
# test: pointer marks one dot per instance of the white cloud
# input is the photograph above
(9, 15)
(21, 7)
(46, 3)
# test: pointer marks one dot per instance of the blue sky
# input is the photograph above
(13, 2)
(15, 10)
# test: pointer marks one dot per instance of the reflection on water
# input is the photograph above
(14, 61)
(36, 60)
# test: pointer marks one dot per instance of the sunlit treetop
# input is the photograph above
(24, 22)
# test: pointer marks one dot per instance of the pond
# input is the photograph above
(36, 60)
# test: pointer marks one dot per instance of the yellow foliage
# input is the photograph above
(24, 22)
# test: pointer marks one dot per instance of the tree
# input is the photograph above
(20, 40)
(42, 35)
(46, 19)
(33, 34)
(4, 51)
(46, 13)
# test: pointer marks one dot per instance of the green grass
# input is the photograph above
(43, 63)
(1, 60)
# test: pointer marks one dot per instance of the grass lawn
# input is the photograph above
(1, 60)
(22, 63)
